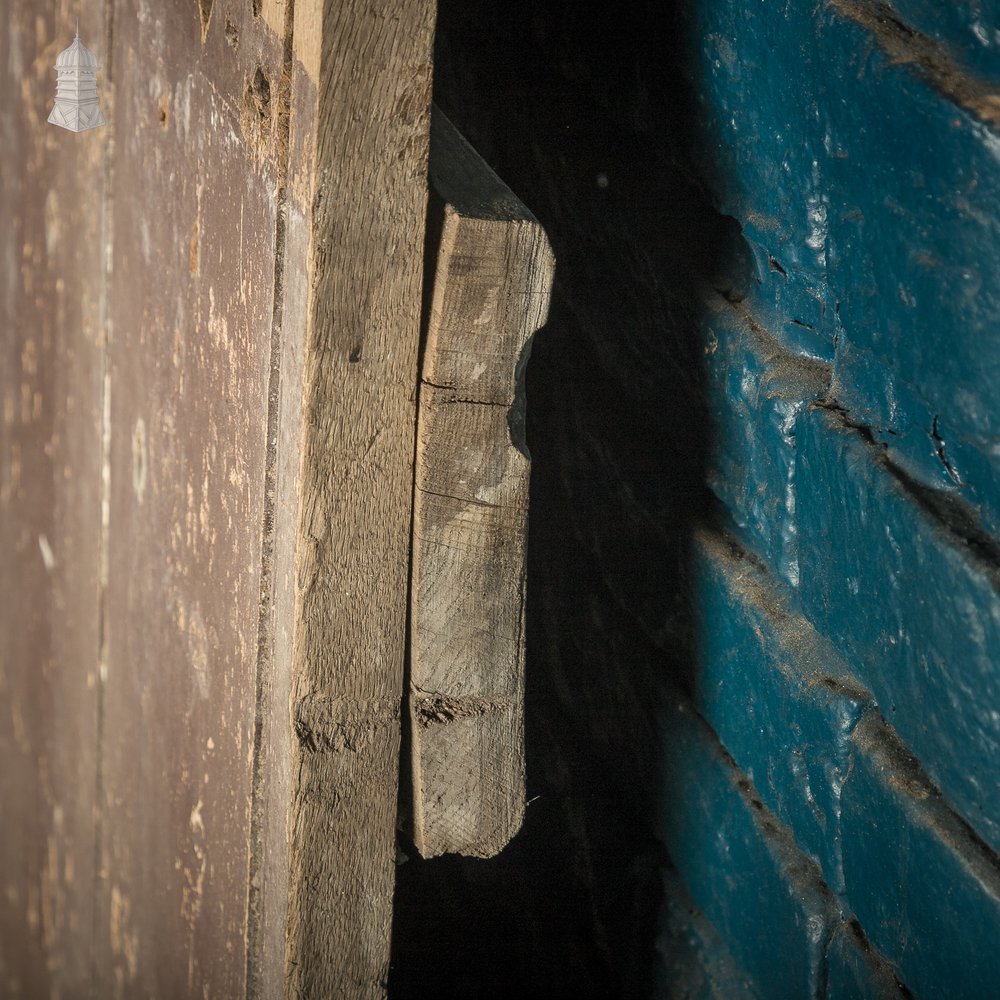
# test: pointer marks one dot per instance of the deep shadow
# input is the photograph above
(589, 118)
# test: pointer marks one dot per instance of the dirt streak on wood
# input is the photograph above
(51, 368)
(490, 294)
(197, 167)
(360, 122)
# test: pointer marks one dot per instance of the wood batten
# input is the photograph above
(356, 215)
(491, 290)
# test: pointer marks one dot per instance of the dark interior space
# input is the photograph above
(587, 115)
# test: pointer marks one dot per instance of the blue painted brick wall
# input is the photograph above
(926, 892)
(912, 184)
(847, 590)
(756, 69)
(756, 392)
(855, 972)
(912, 604)
(740, 864)
(693, 960)
(968, 32)
(867, 200)
(779, 697)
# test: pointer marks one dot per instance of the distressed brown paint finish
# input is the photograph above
(239, 372)
(197, 169)
(358, 200)
(491, 293)
(51, 372)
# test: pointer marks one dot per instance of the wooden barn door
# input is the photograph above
(209, 327)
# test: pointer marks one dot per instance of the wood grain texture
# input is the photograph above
(51, 376)
(197, 166)
(238, 370)
(491, 293)
(358, 194)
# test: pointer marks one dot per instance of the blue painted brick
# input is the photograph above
(969, 32)
(910, 605)
(693, 962)
(926, 893)
(765, 898)
(912, 182)
(778, 696)
(925, 444)
(855, 971)
(754, 391)
(868, 201)
(756, 75)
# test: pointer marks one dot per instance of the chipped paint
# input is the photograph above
(52, 222)
(48, 558)
(140, 460)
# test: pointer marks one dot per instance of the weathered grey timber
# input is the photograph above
(491, 292)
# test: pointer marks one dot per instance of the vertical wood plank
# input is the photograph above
(491, 292)
(243, 495)
(357, 207)
(51, 375)
(272, 768)
(197, 176)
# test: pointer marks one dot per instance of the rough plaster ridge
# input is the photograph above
(803, 373)
(756, 586)
(905, 45)
(904, 773)
(950, 514)
(955, 518)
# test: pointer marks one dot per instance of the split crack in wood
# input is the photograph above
(456, 399)
(205, 16)
(470, 500)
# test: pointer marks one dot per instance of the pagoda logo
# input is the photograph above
(76, 106)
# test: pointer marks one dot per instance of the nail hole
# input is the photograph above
(255, 116)
(259, 94)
